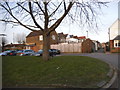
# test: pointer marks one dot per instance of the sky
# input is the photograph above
(106, 19)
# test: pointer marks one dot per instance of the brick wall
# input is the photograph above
(39, 44)
(87, 46)
(112, 48)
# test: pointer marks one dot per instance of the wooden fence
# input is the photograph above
(68, 48)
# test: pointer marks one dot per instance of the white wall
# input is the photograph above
(115, 29)
(65, 47)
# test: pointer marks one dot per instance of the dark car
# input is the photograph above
(40, 52)
(55, 51)
(12, 53)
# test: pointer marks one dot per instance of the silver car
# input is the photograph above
(27, 52)
(5, 53)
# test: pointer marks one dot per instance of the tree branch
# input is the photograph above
(46, 16)
(56, 24)
(19, 23)
(23, 7)
(16, 18)
(64, 6)
(31, 13)
(40, 7)
(55, 10)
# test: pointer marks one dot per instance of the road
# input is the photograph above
(111, 58)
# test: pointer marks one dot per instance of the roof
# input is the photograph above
(14, 45)
(117, 37)
(62, 35)
(35, 33)
(82, 37)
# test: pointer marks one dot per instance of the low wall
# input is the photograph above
(115, 50)
(68, 48)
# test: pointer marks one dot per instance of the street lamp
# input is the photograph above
(109, 37)
(3, 43)
(3, 35)
(87, 34)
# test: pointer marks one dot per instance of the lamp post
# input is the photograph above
(109, 38)
(3, 43)
(87, 34)
(3, 35)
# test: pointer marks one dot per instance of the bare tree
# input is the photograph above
(47, 15)
(20, 38)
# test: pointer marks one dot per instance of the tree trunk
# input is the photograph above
(46, 47)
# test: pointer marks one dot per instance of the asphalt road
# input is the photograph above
(112, 58)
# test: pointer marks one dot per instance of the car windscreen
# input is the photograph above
(28, 51)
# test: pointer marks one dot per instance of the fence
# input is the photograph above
(65, 47)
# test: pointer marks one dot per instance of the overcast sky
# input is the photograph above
(106, 19)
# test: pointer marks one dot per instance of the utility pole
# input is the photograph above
(109, 37)
(13, 37)
(3, 43)
(87, 34)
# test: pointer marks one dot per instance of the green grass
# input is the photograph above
(61, 71)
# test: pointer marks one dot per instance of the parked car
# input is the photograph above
(4, 53)
(40, 52)
(19, 52)
(55, 51)
(12, 53)
(8, 53)
(26, 52)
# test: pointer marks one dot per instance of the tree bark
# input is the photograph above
(46, 47)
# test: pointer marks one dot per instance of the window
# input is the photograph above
(53, 37)
(119, 44)
(40, 37)
(116, 44)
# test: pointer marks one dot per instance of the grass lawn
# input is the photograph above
(61, 71)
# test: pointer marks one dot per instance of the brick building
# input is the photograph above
(88, 46)
(36, 38)
(115, 44)
(14, 46)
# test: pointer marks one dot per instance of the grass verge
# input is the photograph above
(61, 71)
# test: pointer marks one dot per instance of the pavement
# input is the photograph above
(111, 58)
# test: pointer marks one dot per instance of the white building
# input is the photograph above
(114, 32)
(114, 29)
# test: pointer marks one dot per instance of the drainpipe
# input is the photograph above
(109, 37)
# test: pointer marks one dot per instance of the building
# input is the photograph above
(114, 36)
(81, 38)
(71, 39)
(35, 40)
(88, 46)
(98, 45)
(62, 37)
(14, 47)
(115, 44)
